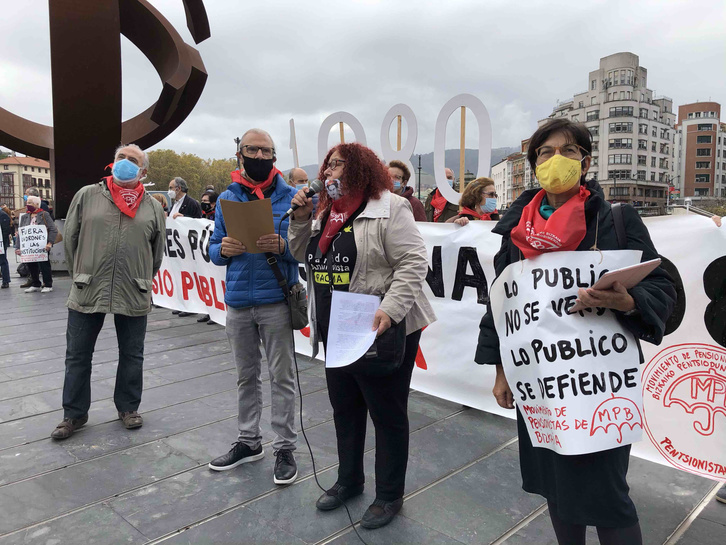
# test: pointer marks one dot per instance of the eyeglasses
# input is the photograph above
(251, 151)
(333, 164)
(571, 151)
(489, 195)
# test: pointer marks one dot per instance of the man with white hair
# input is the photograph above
(438, 209)
(257, 311)
(114, 241)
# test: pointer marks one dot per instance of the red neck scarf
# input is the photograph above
(127, 200)
(339, 213)
(257, 189)
(563, 231)
(477, 215)
(439, 203)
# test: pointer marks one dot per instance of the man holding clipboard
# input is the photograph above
(244, 230)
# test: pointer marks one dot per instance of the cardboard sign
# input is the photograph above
(575, 377)
(33, 239)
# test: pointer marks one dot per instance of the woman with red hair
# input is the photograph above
(364, 240)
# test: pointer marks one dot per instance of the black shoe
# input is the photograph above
(240, 454)
(175, 311)
(185, 314)
(69, 425)
(334, 498)
(204, 318)
(211, 322)
(5, 285)
(380, 513)
(285, 467)
(721, 495)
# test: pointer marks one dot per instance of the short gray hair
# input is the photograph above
(137, 148)
(181, 183)
(263, 133)
(33, 191)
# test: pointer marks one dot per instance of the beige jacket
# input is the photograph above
(392, 261)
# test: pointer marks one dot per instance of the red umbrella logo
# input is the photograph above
(699, 390)
(618, 412)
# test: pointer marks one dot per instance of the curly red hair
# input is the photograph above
(364, 174)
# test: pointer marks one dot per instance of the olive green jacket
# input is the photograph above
(111, 257)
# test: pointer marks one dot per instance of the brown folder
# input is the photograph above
(248, 221)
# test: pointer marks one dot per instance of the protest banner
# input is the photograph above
(458, 285)
(575, 376)
(33, 239)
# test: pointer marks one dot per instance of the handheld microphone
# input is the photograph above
(316, 186)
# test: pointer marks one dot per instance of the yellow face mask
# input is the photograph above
(559, 174)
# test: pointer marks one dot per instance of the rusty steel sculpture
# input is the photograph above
(85, 46)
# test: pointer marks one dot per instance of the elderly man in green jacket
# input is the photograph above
(114, 241)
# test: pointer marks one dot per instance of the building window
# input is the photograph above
(703, 164)
(642, 129)
(619, 174)
(621, 111)
(652, 146)
(664, 148)
(595, 145)
(621, 143)
(619, 191)
(705, 127)
(5, 167)
(705, 139)
(698, 114)
(593, 100)
(703, 152)
(690, 115)
(35, 182)
(642, 160)
(593, 85)
(702, 192)
(664, 134)
(643, 144)
(620, 159)
(593, 115)
(641, 175)
(644, 113)
(663, 163)
(621, 127)
(703, 178)
(581, 104)
(652, 162)
(655, 132)
(594, 131)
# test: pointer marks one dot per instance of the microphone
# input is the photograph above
(316, 186)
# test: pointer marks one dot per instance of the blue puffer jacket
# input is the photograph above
(250, 281)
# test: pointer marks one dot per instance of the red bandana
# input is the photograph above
(127, 200)
(257, 189)
(477, 215)
(563, 231)
(339, 213)
(439, 203)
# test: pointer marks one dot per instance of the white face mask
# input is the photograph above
(172, 194)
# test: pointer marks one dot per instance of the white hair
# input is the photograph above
(33, 200)
(261, 132)
(137, 148)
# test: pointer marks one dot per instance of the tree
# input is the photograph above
(166, 164)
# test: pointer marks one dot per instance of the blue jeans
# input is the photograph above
(4, 268)
(81, 336)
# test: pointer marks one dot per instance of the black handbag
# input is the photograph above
(385, 355)
(295, 296)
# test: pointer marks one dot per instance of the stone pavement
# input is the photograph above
(109, 485)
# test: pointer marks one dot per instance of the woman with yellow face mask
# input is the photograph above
(570, 213)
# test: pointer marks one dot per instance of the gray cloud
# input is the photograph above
(272, 61)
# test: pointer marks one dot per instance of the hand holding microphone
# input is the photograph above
(302, 203)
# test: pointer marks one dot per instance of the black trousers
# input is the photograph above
(81, 336)
(352, 396)
(36, 269)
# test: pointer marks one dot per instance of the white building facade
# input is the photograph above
(504, 190)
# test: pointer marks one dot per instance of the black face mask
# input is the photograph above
(206, 207)
(257, 169)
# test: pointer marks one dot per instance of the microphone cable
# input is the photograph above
(299, 388)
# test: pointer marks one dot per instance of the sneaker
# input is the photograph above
(5, 285)
(721, 495)
(285, 467)
(131, 419)
(238, 455)
(334, 498)
(46, 289)
(69, 425)
(26, 284)
(32, 289)
(380, 513)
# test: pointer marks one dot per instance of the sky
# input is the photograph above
(273, 60)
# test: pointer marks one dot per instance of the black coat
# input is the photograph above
(5, 229)
(655, 296)
(190, 208)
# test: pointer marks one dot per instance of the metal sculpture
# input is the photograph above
(85, 47)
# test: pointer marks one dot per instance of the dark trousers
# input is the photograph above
(40, 267)
(4, 267)
(352, 396)
(81, 335)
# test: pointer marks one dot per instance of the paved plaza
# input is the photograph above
(108, 485)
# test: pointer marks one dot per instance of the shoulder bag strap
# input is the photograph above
(274, 265)
(617, 211)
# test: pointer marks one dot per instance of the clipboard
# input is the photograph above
(627, 276)
(248, 221)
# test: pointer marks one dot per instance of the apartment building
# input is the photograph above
(18, 174)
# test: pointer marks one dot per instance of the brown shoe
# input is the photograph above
(69, 425)
(131, 420)
(26, 284)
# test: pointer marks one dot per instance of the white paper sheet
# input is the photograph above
(351, 321)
